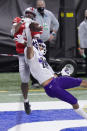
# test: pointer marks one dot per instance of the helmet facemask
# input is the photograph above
(40, 46)
(30, 13)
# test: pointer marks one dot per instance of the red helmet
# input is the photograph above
(30, 10)
(17, 20)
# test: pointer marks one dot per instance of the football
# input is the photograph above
(35, 27)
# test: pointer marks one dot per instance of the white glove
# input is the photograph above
(20, 39)
(12, 31)
(65, 72)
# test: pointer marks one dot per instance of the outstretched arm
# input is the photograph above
(30, 52)
(35, 27)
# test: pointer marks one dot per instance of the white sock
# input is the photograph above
(81, 112)
(26, 100)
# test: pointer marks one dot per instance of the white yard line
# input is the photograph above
(39, 105)
(46, 125)
(50, 125)
(30, 94)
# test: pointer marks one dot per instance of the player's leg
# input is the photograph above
(67, 82)
(25, 75)
(74, 82)
(71, 82)
(24, 88)
(23, 69)
(79, 110)
(54, 90)
(84, 83)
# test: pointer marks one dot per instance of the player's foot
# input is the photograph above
(27, 108)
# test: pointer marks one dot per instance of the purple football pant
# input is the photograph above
(56, 88)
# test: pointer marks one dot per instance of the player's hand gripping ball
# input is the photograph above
(35, 27)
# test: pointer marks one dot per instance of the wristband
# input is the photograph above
(53, 33)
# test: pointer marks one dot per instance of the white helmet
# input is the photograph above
(30, 10)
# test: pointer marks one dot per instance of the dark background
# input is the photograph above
(61, 47)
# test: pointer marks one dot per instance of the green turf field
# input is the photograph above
(10, 90)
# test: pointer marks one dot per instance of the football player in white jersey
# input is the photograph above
(54, 86)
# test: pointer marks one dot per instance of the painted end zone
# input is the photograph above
(53, 116)
(76, 129)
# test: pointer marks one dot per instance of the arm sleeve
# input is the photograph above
(28, 35)
(54, 22)
(81, 35)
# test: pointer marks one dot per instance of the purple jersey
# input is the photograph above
(56, 88)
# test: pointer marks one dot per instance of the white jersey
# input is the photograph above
(39, 67)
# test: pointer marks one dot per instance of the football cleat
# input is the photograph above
(27, 108)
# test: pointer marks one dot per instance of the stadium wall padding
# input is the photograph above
(9, 9)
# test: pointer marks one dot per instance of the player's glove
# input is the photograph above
(20, 39)
(35, 27)
(65, 72)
